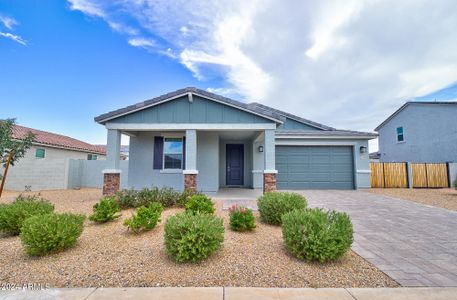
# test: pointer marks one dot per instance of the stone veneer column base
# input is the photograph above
(190, 182)
(111, 183)
(269, 182)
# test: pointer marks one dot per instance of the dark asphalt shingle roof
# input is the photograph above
(112, 114)
(257, 108)
(289, 115)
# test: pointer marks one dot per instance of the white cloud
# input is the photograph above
(141, 42)
(8, 22)
(14, 37)
(348, 64)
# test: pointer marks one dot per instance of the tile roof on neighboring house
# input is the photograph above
(56, 140)
(413, 102)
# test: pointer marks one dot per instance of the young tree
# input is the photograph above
(11, 150)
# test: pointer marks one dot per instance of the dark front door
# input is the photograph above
(234, 164)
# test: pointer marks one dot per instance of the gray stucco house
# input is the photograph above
(191, 138)
(420, 132)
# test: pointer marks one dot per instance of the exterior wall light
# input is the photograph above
(260, 148)
(363, 149)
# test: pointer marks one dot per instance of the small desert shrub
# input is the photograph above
(168, 197)
(455, 183)
(127, 198)
(274, 204)
(200, 203)
(193, 237)
(145, 218)
(106, 210)
(42, 234)
(185, 196)
(317, 235)
(241, 218)
(13, 215)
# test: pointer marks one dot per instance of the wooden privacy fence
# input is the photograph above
(395, 175)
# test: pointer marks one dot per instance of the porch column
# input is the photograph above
(112, 173)
(190, 171)
(269, 173)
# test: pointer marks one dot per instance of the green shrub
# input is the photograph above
(106, 210)
(168, 197)
(315, 234)
(127, 198)
(200, 203)
(146, 218)
(13, 215)
(274, 204)
(42, 234)
(193, 237)
(146, 196)
(241, 218)
(185, 197)
(455, 183)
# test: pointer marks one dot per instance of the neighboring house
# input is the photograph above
(124, 153)
(191, 138)
(375, 156)
(52, 145)
(45, 164)
(420, 132)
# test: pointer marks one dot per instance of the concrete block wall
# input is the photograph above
(38, 174)
(59, 173)
(88, 173)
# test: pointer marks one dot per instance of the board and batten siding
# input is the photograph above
(200, 110)
(290, 124)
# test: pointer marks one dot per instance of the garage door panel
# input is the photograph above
(314, 167)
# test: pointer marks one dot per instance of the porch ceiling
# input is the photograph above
(238, 134)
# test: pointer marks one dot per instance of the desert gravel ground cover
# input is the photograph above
(107, 255)
(444, 198)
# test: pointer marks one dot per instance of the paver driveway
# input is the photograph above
(414, 244)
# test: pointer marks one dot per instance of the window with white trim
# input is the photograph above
(172, 153)
(400, 135)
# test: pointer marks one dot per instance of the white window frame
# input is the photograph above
(182, 153)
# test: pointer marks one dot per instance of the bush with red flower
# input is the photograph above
(241, 218)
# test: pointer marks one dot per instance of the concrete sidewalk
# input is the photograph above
(231, 293)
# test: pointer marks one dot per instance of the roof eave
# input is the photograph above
(102, 119)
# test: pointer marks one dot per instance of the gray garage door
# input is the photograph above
(314, 167)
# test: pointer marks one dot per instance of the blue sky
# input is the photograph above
(64, 62)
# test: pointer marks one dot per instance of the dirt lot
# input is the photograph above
(444, 198)
(107, 255)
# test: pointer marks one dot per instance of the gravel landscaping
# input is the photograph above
(444, 198)
(107, 255)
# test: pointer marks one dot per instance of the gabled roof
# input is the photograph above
(255, 108)
(183, 92)
(56, 140)
(413, 102)
(290, 116)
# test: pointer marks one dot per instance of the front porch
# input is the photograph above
(207, 160)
